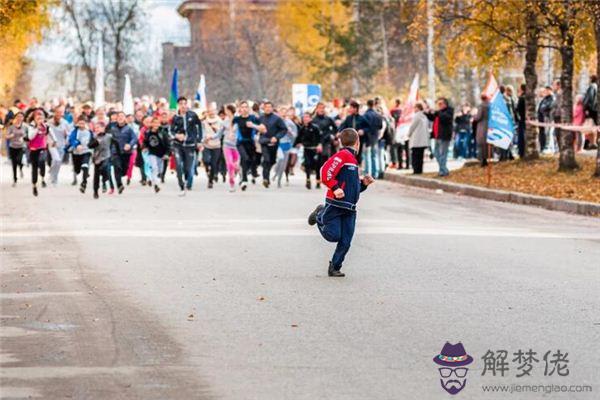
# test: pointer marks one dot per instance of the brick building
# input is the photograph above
(212, 26)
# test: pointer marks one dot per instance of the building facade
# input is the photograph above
(213, 26)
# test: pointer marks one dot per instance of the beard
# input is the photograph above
(453, 386)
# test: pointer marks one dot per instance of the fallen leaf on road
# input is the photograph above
(261, 298)
(294, 325)
(190, 317)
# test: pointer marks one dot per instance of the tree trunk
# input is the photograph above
(596, 15)
(566, 160)
(119, 83)
(531, 80)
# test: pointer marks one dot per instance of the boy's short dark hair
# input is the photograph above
(349, 137)
(181, 98)
(354, 104)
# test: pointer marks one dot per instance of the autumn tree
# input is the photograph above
(593, 13)
(21, 24)
(563, 20)
(494, 35)
(114, 23)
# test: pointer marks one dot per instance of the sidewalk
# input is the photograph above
(430, 166)
(550, 203)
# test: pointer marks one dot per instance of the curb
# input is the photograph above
(549, 203)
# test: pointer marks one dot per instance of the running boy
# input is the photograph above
(336, 219)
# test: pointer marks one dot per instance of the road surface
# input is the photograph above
(225, 296)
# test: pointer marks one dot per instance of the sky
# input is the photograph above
(167, 25)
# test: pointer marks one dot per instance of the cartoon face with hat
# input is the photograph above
(453, 358)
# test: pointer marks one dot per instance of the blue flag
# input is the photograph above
(500, 123)
(174, 91)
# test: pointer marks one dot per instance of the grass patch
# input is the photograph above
(539, 177)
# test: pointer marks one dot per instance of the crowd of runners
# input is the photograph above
(257, 142)
(237, 144)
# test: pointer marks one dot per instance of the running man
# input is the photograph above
(187, 129)
(272, 129)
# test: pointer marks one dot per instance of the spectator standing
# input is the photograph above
(418, 138)
(443, 125)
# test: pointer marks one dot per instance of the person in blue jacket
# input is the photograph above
(127, 140)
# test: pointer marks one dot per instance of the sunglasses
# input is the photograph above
(459, 372)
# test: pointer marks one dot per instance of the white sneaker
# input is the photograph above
(232, 189)
(182, 193)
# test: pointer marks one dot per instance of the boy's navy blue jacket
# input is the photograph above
(340, 171)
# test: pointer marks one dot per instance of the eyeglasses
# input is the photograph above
(459, 372)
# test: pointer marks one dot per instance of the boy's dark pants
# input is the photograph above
(336, 225)
(101, 170)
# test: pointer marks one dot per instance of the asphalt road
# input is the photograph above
(225, 296)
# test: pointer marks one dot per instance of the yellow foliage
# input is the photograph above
(298, 23)
(21, 24)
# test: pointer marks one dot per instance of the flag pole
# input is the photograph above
(489, 165)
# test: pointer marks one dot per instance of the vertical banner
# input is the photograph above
(174, 94)
(305, 96)
(127, 97)
(408, 111)
(201, 93)
(500, 124)
(99, 82)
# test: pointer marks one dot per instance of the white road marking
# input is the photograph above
(4, 296)
(300, 231)
(24, 373)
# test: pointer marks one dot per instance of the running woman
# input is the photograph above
(229, 132)
(337, 218)
(211, 155)
(285, 145)
(79, 141)
(17, 133)
(38, 143)
(60, 129)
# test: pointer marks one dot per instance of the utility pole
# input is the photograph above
(430, 55)
(356, 20)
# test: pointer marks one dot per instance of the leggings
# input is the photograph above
(16, 159)
(38, 162)
(131, 164)
(101, 170)
(232, 160)
(282, 162)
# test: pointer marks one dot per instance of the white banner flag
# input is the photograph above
(408, 112)
(99, 92)
(127, 97)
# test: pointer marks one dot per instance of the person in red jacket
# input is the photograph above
(336, 219)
